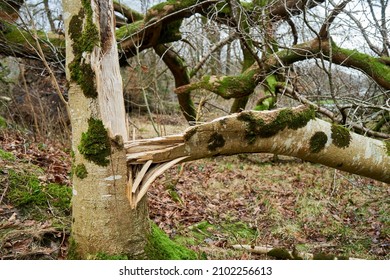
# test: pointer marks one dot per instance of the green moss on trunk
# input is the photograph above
(318, 141)
(341, 136)
(81, 171)
(95, 143)
(85, 36)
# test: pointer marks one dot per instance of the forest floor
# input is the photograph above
(208, 205)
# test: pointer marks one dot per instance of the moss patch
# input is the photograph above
(341, 136)
(318, 141)
(95, 143)
(84, 76)
(6, 155)
(387, 145)
(253, 125)
(160, 247)
(85, 36)
(286, 118)
(216, 141)
(81, 171)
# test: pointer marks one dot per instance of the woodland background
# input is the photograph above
(208, 205)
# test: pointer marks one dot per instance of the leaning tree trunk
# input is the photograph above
(103, 221)
(292, 132)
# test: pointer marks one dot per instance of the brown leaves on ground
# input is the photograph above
(29, 239)
(52, 157)
(215, 203)
(20, 236)
(289, 203)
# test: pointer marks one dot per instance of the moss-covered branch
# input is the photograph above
(160, 25)
(293, 132)
(243, 85)
(225, 86)
(15, 41)
(376, 68)
(129, 14)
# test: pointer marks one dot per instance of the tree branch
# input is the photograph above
(293, 132)
(128, 13)
(324, 31)
(179, 71)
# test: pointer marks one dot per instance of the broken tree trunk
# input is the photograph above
(292, 132)
(102, 219)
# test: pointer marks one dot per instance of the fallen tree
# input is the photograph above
(293, 132)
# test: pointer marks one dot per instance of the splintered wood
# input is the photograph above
(141, 179)
(144, 167)
(141, 151)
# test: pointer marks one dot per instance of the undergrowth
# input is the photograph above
(35, 199)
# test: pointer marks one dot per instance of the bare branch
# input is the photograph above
(217, 46)
(324, 31)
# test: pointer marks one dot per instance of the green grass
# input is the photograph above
(6, 155)
(35, 199)
(290, 203)
(161, 247)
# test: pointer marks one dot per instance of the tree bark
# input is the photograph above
(292, 132)
(103, 221)
(243, 85)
